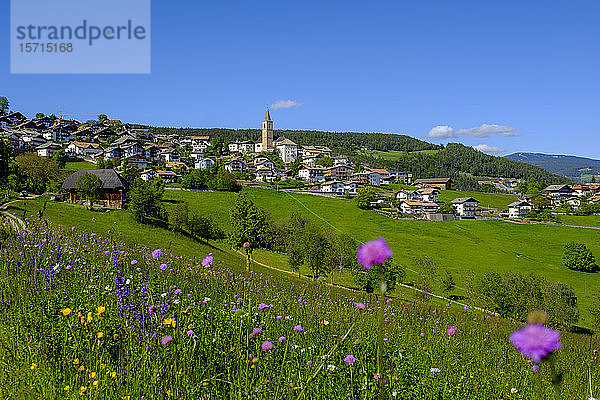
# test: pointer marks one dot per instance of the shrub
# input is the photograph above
(579, 258)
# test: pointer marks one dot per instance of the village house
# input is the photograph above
(176, 165)
(31, 139)
(466, 206)
(418, 207)
(428, 194)
(288, 150)
(341, 172)
(199, 143)
(438, 183)
(83, 149)
(519, 209)
(315, 151)
(204, 163)
(264, 174)
(148, 175)
(341, 160)
(13, 139)
(167, 176)
(236, 164)
(558, 194)
(366, 178)
(595, 199)
(312, 174)
(338, 187)
(48, 149)
(241, 147)
(111, 153)
(113, 192)
(136, 160)
(169, 155)
(13, 119)
(574, 202)
(411, 195)
(384, 175)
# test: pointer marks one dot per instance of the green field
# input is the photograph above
(583, 220)
(393, 155)
(493, 200)
(462, 247)
(77, 165)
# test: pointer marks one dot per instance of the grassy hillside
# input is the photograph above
(77, 165)
(498, 201)
(461, 246)
(393, 155)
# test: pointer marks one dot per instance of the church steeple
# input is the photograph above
(267, 132)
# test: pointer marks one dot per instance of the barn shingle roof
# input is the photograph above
(109, 177)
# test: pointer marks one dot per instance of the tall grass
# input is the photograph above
(86, 316)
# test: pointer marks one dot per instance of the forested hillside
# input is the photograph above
(576, 168)
(338, 142)
(463, 164)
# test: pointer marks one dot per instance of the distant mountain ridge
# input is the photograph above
(576, 168)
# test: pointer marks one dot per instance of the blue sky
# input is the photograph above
(512, 75)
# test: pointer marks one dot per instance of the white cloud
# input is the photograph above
(441, 132)
(484, 148)
(486, 130)
(285, 104)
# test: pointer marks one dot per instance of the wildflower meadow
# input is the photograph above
(85, 316)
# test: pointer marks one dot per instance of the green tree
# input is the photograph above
(325, 162)
(145, 201)
(560, 303)
(447, 207)
(370, 280)
(178, 218)
(447, 282)
(5, 157)
(579, 258)
(90, 187)
(249, 223)
(204, 228)
(36, 172)
(60, 158)
(364, 198)
(100, 163)
(593, 180)
(39, 115)
(4, 105)
(102, 118)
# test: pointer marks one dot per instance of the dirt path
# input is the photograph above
(16, 222)
(353, 290)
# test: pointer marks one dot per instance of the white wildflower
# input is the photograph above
(331, 367)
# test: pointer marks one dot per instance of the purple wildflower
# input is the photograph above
(166, 339)
(44, 241)
(536, 341)
(246, 245)
(373, 252)
(133, 262)
(207, 261)
(106, 252)
(360, 306)
(163, 266)
(177, 291)
(190, 333)
(451, 330)
(298, 328)
(281, 339)
(152, 309)
(256, 331)
(266, 346)
(157, 253)
(535, 368)
(72, 228)
(350, 359)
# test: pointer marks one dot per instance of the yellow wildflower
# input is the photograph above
(33, 366)
(127, 398)
(100, 310)
(99, 335)
(169, 321)
(169, 393)
(82, 389)
(93, 375)
(67, 388)
(102, 366)
(81, 368)
(76, 361)
(95, 383)
(113, 374)
(65, 311)
(89, 317)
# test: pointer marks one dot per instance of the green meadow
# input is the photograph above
(462, 247)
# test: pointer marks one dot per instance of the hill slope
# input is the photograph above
(576, 168)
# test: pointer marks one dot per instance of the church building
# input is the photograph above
(266, 143)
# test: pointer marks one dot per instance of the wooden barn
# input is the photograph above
(114, 187)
